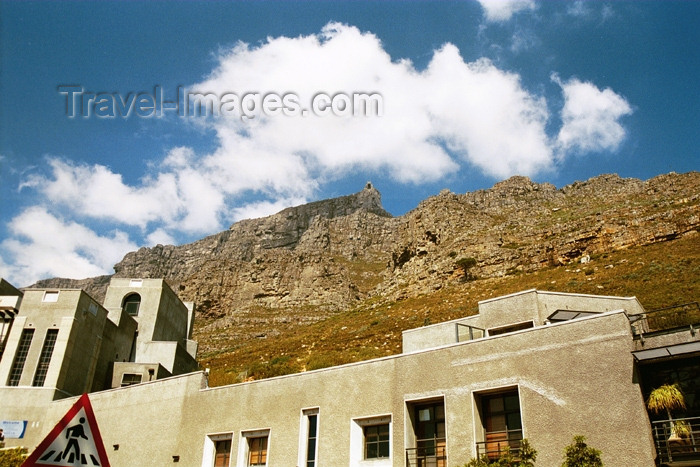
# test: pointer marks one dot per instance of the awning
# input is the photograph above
(668, 351)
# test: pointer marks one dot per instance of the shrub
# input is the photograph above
(12, 457)
(579, 454)
(526, 458)
(466, 264)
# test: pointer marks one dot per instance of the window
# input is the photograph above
(45, 358)
(376, 441)
(130, 378)
(511, 328)
(222, 456)
(309, 433)
(131, 304)
(370, 441)
(257, 451)
(25, 341)
(429, 430)
(500, 416)
(50, 296)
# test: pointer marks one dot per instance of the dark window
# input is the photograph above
(130, 378)
(430, 434)
(222, 457)
(503, 428)
(25, 341)
(131, 304)
(257, 451)
(311, 440)
(511, 328)
(376, 441)
(45, 357)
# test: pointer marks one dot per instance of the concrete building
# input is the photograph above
(538, 365)
(65, 343)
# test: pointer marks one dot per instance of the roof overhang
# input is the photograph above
(677, 350)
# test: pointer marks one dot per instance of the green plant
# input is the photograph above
(525, 457)
(579, 454)
(12, 457)
(667, 398)
(466, 264)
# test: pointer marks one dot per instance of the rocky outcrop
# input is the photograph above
(521, 226)
(307, 261)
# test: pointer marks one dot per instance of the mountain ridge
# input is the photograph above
(262, 277)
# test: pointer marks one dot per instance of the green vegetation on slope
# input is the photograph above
(659, 275)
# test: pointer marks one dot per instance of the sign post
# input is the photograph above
(75, 441)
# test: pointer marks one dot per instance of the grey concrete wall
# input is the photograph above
(573, 378)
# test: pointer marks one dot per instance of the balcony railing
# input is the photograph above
(664, 319)
(498, 443)
(466, 332)
(677, 441)
(427, 453)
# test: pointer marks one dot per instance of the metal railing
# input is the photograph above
(672, 317)
(499, 443)
(427, 453)
(466, 332)
(677, 440)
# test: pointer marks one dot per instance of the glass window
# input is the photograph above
(131, 304)
(312, 437)
(25, 341)
(502, 424)
(131, 378)
(45, 358)
(431, 441)
(222, 456)
(257, 451)
(376, 441)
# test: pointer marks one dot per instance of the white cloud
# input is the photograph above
(449, 115)
(160, 237)
(503, 10)
(264, 208)
(590, 117)
(45, 246)
(480, 113)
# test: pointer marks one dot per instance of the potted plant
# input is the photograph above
(665, 399)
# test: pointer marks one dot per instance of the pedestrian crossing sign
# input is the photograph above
(75, 441)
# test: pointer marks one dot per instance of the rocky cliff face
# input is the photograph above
(305, 262)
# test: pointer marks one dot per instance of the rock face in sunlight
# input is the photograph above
(305, 262)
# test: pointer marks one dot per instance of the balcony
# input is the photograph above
(677, 441)
(666, 319)
(427, 453)
(498, 443)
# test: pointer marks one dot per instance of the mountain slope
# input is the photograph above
(274, 276)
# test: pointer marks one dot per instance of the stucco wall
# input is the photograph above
(573, 378)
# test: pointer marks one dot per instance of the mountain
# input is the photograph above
(265, 277)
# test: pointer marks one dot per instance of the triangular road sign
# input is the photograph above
(75, 441)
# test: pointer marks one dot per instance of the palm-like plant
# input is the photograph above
(665, 399)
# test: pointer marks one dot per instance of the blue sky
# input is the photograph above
(470, 93)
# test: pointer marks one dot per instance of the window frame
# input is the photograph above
(226, 455)
(128, 303)
(484, 413)
(122, 384)
(42, 366)
(358, 440)
(305, 437)
(210, 445)
(20, 359)
(377, 441)
(244, 447)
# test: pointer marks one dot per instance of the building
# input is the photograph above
(538, 365)
(62, 343)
